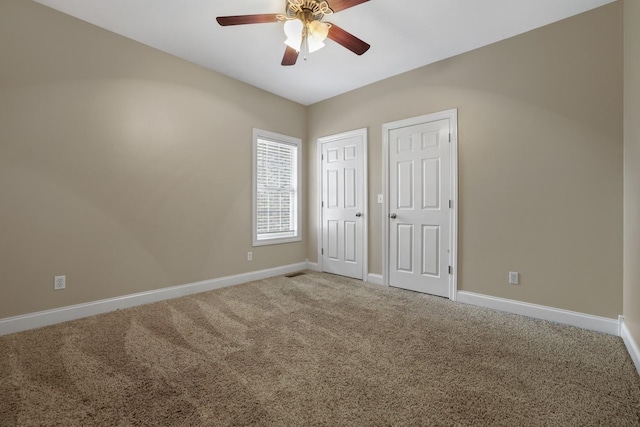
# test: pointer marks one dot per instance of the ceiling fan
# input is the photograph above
(304, 27)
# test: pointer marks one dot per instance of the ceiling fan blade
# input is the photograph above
(338, 5)
(347, 40)
(247, 19)
(290, 56)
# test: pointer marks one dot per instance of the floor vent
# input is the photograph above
(299, 273)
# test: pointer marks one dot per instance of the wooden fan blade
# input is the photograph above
(247, 19)
(338, 5)
(348, 40)
(290, 56)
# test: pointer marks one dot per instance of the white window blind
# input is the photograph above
(276, 190)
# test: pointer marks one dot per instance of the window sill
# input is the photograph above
(276, 241)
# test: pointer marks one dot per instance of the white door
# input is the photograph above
(419, 222)
(343, 203)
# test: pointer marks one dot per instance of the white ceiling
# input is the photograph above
(404, 35)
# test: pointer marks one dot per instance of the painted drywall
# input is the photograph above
(632, 167)
(540, 159)
(121, 167)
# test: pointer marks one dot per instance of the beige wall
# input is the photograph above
(115, 158)
(123, 168)
(632, 167)
(540, 159)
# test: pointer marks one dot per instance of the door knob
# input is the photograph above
(392, 216)
(359, 214)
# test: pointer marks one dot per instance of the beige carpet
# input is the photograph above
(315, 350)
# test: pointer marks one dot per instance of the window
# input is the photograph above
(276, 184)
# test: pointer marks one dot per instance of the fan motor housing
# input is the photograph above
(313, 8)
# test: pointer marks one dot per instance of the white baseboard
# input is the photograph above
(313, 266)
(581, 320)
(376, 279)
(632, 345)
(10, 325)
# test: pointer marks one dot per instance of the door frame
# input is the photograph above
(452, 115)
(363, 133)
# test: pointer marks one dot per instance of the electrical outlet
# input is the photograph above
(249, 256)
(513, 278)
(59, 282)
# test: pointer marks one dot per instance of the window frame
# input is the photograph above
(259, 134)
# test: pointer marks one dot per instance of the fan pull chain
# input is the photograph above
(305, 47)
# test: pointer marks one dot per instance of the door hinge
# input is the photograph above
(450, 204)
(449, 136)
(323, 203)
(321, 156)
(450, 270)
(322, 251)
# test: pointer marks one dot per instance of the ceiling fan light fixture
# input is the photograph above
(319, 30)
(294, 44)
(293, 30)
(314, 45)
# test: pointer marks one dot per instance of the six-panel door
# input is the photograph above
(342, 213)
(419, 188)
